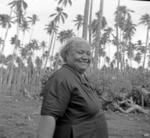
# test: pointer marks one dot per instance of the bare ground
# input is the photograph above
(19, 119)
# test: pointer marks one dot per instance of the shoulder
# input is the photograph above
(63, 74)
(62, 77)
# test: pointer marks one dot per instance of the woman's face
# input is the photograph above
(79, 57)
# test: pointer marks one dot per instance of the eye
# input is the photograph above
(89, 53)
(80, 52)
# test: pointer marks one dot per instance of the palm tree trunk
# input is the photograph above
(23, 39)
(49, 50)
(32, 30)
(6, 33)
(12, 62)
(146, 46)
(131, 58)
(86, 19)
(3, 46)
(1, 78)
(117, 36)
(53, 47)
(90, 22)
(98, 35)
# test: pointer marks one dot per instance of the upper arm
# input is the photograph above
(56, 97)
(46, 127)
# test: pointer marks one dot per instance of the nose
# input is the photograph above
(86, 57)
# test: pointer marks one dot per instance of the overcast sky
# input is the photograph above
(43, 8)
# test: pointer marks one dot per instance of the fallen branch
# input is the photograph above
(144, 91)
(131, 107)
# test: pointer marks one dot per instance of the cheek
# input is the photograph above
(76, 57)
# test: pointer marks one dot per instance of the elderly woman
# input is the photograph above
(70, 107)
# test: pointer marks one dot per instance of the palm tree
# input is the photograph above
(117, 33)
(24, 27)
(107, 59)
(86, 19)
(57, 61)
(129, 31)
(138, 57)
(140, 51)
(145, 20)
(24, 52)
(60, 15)
(33, 19)
(95, 24)
(90, 21)
(122, 14)
(2, 62)
(107, 32)
(1, 42)
(19, 7)
(43, 45)
(79, 21)
(29, 49)
(65, 35)
(130, 52)
(11, 67)
(104, 37)
(98, 35)
(45, 55)
(122, 17)
(13, 41)
(117, 57)
(38, 63)
(51, 29)
(65, 2)
(5, 22)
(34, 44)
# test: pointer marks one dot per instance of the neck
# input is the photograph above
(76, 69)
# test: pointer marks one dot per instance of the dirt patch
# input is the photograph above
(19, 118)
(128, 125)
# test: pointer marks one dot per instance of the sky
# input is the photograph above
(43, 8)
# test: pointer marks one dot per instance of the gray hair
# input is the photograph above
(69, 45)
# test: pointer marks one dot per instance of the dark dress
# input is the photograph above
(72, 100)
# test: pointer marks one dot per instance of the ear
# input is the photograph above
(67, 57)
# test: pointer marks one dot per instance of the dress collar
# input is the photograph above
(72, 69)
(83, 78)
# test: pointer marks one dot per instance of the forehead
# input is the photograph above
(81, 46)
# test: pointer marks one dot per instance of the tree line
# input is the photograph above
(23, 69)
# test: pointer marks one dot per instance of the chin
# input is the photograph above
(82, 70)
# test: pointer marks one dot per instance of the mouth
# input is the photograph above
(85, 62)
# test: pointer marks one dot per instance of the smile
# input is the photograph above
(84, 62)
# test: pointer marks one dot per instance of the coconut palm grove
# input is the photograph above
(122, 78)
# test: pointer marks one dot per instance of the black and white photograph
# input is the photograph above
(75, 69)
